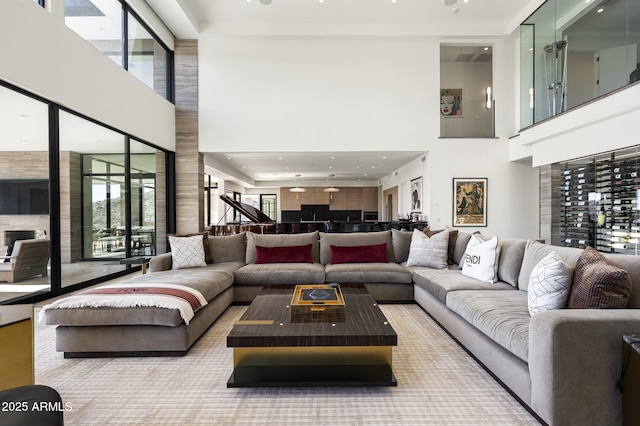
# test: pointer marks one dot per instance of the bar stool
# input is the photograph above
(296, 228)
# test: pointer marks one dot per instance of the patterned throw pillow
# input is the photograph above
(187, 252)
(429, 252)
(598, 283)
(453, 236)
(480, 260)
(549, 285)
(205, 242)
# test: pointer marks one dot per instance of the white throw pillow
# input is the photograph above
(550, 284)
(187, 252)
(429, 252)
(480, 260)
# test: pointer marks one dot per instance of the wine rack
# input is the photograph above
(600, 204)
(576, 227)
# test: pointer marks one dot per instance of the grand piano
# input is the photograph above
(261, 223)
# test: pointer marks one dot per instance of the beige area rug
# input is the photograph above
(438, 384)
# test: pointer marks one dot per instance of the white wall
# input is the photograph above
(512, 187)
(346, 94)
(324, 94)
(40, 54)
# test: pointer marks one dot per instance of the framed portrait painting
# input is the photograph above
(416, 195)
(470, 202)
(450, 102)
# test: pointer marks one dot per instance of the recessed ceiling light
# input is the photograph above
(600, 10)
(455, 10)
(450, 2)
(279, 158)
(384, 158)
(486, 48)
(333, 158)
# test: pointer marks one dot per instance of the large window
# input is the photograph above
(573, 51)
(114, 29)
(95, 194)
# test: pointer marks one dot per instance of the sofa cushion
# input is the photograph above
(359, 254)
(367, 273)
(429, 251)
(439, 282)
(228, 248)
(281, 240)
(598, 283)
(481, 259)
(510, 260)
(187, 252)
(354, 239)
(550, 284)
(501, 315)
(279, 273)
(453, 236)
(401, 243)
(461, 245)
(205, 243)
(286, 254)
(535, 251)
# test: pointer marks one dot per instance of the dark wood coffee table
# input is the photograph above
(270, 348)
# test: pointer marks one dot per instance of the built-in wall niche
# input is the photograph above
(466, 91)
(595, 202)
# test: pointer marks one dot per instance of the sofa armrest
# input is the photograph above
(575, 359)
(161, 262)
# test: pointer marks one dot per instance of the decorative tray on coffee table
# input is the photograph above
(316, 299)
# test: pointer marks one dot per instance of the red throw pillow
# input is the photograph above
(284, 254)
(359, 254)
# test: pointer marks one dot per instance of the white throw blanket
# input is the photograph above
(131, 299)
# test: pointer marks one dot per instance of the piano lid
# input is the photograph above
(250, 212)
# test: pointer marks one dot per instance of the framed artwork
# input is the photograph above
(416, 195)
(450, 102)
(469, 201)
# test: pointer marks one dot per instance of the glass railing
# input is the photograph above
(574, 51)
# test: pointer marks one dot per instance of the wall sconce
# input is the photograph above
(489, 100)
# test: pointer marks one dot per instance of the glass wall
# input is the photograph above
(573, 51)
(210, 200)
(93, 236)
(98, 22)
(24, 192)
(94, 194)
(147, 59)
(102, 23)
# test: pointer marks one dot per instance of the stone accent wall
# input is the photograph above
(24, 165)
(189, 161)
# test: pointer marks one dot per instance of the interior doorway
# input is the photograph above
(390, 197)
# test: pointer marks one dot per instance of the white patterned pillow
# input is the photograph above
(187, 252)
(550, 284)
(429, 252)
(480, 260)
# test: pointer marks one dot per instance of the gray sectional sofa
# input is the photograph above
(564, 364)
